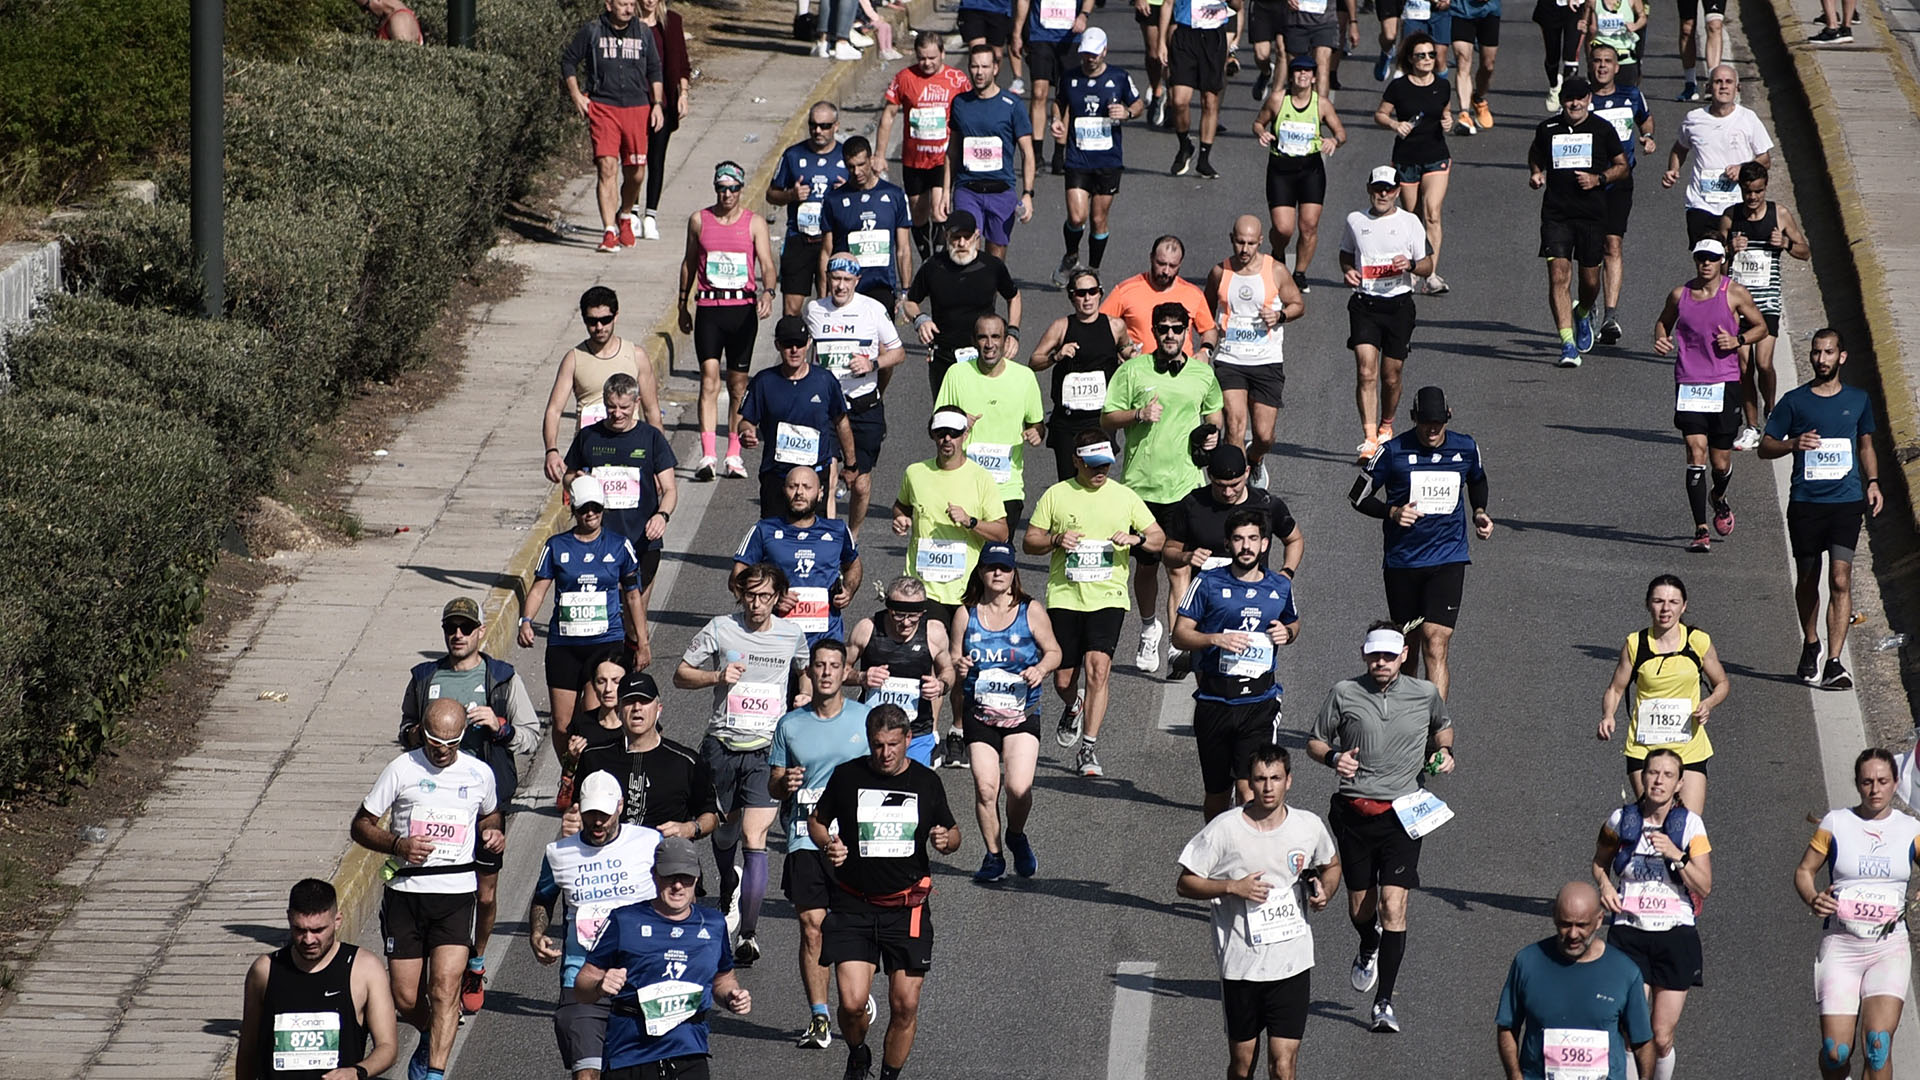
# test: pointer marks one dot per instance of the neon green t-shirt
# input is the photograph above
(940, 553)
(1157, 466)
(1005, 403)
(1094, 575)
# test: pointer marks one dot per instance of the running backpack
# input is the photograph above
(1633, 823)
(1643, 652)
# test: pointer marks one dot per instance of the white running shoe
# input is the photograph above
(1553, 99)
(860, 39)
(1748, 439)
(1018, 88)
(735, 468)
(704, 470)
(845, 51)
(1260, 475)
(1151, 634)
(821, 49)
(649, 227)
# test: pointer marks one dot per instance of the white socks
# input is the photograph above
(1663, 1067)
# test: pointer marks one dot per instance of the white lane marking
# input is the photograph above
(1132, 1013)
(1176, 709)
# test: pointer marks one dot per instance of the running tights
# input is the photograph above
(753, 890)
(657, 159)
(1561, 40)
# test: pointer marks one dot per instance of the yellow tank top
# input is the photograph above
(591, 372)
(1664, 692)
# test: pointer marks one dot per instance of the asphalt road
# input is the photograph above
(1095, 969)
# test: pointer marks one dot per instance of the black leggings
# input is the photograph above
(1560, 39)
(657, 163)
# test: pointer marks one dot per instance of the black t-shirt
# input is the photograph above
(632, 497)
(960, 294)
(672, 782)
(884, 821)
(1422, 105)
(1200, 520)
(1566, 150)
(605, 745)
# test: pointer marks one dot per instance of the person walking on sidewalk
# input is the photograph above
(923, 90)
(797, 404)
(807, 173)
(868, 218)
(989, 125)
(634, 463)
(1757, 232)
(584, 372)
(728, 270)
(624, 73)
(311, 1006)
(676, 78)
(1721, 137)
(444, 812)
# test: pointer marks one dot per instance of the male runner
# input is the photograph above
(855, 339)
(622, 64)
(1135, 299)
(1571, 999)
(1692, 64)
(1476, 27)
(899, 657)
(988, 23)
(1048, 30)
(668, 786)
(1722, 136)
(807, 173)
(868, 218)
(1193, 49)
(1383, 250)
(634, 462)
(1001, 400)
(311, 1006)
(951, 291)
(1828, 428)
(922, 90)
(1252, 297)
(1314, 28)
(584, 370)
(948, 509)
(818, 555)
(1199, 533)
(1626, 109)
(1757, 231)
(1377, 732)
(1094, 101)
(1574, 156)
(989, 126)
(796, 404)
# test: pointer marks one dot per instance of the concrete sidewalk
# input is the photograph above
(143, 977)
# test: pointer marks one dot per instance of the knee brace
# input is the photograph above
(1879, 1049)
(1833, 1055)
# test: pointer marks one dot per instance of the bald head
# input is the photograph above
(1576, 921)
(446, 718)
(1577, 901)
(1246, 225)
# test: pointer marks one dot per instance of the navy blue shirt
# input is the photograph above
(822, 172)
(670, 966)
(625, 463)
(813, 558)
(1626, 109)
(1061, 13)
(996, 7)
(1093, 137)
(986, 133)
(796, 419)
(1830, 474)
(863, 222)
(1218, 601)
(1403, 465)
(588, 577)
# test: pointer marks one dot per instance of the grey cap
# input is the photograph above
(675, 857)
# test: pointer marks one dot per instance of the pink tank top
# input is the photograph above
(727, 272)
(1696, 358)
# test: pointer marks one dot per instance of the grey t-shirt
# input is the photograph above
(1271, 941)
(1390, 729)
(745, 713)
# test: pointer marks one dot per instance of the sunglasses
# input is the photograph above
(1095, 291)
(1163, 331)
(949, 434)
(727, 189)
(598, 320)
(828, 126)
(1427, 55)
(444, 744)
(792, 344)
(459, 629)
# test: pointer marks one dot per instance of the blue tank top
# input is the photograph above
(999, 656)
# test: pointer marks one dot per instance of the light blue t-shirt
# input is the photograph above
(818, 745)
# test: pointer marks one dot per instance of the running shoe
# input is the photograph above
(845, 51)
(819, 1033)
(1025, 862)
(1855, 21)
(805, 26)
(1462, 124)
(1179, 665)
(1689, 92)
(1569, 355)
(746, 952)
(1088, 763)
(859, 38)
(1262, 83)
(735, 468)
(891, 55)
(627, 238)
(1260, 475)
(1384, 432)
(1836, 677)
(1808, 670)
(1068, 733)
(1610, 332)
(1701, 544)
(1018, 88)
(1748, 439)
(859, 1063)
(1068, 264)
(1832, 36)
(1151, 635)
(610, 241)
(705, 470)
(957, 751)
(1182, 163)
(1434, 285)
(1368, 449)
(993, 867)
(1157, 112)
(473, 990)
(417, 1064)
(937, 757)
(1483, 115)
(1205, 170)
(1583, 332)
(1383, 67)
(1384, 1022)
(1723, 518)
(649, 227)
(1366, 970)
(1553, 100)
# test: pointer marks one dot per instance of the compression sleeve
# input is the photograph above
(1477, 493)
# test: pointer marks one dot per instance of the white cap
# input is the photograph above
(1709, 246)
(1093, 41)
(587, 489)
(600, 793)
(947, 418)
(1384, 174)
(1384, 641)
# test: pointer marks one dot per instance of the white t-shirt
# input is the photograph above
(444, 805)
(1231, 847)
(1374, 241)
(861, 328)
(1716, 142)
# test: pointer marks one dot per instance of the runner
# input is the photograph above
(1261, 867)
(634, 463)
(1252, 297)
(922, 90)
(895, 809)
(728, 269)
(668, 786)
(1289, 126)
(818, 555)
(1722, 136)
(1146, 15)
(989, 125)
(595, 576)
(585, 368)
(1135, 299)
(948, 508)
(797, 404)
(1193, 49)
(1414, 486)
(312, 1005)
(622, 64)
(900, 657)
(989, 23)
(1088, 525)
(1692, 65)
(1563, 25)
(807, 173)
(1376, 732)
(605, 866)
(1199, 533)
(749, 659)
(1433, 18)
(1475, 27)
(1001, 400)
(1083, 349)
(1828, 428)
(1162, 400)
(810, 742)
(868, 217)
(1316, 28)
(1863, 970)
(1233, 620)
(1415, 108)
(443, 814)
(951, 291)
(1618, 28)
(1621, 104)
(662, 980)
(1264, 22)
(1703, 326)
(1001, 671)
(856, 340)
(1757, 231)
(597, 740)
(1574, 156)
(1668, 711)
(1093, 102)
(1382, 252)
(1660, 852)
(1047, 32)
(1572, 1006)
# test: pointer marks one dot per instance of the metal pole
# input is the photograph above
(460, 23)
(208, 146)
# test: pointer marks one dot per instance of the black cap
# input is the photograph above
(1575, 86)
(791, 329)
(962, 223)
(1227, 462)
(639, 686)
(1430, 406)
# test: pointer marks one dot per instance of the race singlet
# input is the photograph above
(1575, 1054)
(1700, 397)
(940, 560)
(583, 614)
(996, 458)
(887, 828)
(1421, 812)
(1832, 461)
(727, 269)
(811, 608)
(981, 153)
(755, 708)
(1084, 391)
(306, 1041)
(621, 484)
(1296, 137)
(1277, 920)
(1090, 560)
(667, 1004)
(1434, 491)
(796, 444)
(1663, 721)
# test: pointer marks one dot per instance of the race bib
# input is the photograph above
(966, 354)
(811, 608)
(927, 123)
(1573, 151)
(449, 828)
(981, 153)
(727, 269)
(1418, 10)
(807, 218)
(621, 484)
(1376, 269)
(1251, 662)
(895, 691)
(306, 1041)
(1084, 391)
(887, 823)
(871, 247)
(1610, 23)
(592, 414)
(1621, 117)
(1654, 905)
(1312, 7)
(755, 708)
(1832, 461)
(796, 444)
(666, 1005)
(1716, 190)
(1213, 14)
(1663, 721)
(837, 356)
(1753, 267)
(1001, 691)
(583, 614)
(1700, 397)
(1421, 812)
(940, 560)
(1866, 911)
(1574, 1054)
(1090, 560)
(1296, 137)
(1058, 14)
(996, 458)
(588, 921)
(1277, 920)
(1245, 330)
(1093, 132)
(1434, 491)
(1214, 562)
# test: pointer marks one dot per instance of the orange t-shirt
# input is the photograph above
(924, 99)
(1135, 298)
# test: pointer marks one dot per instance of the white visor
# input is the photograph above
(1384, 641)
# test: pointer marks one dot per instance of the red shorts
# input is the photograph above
(619, 131)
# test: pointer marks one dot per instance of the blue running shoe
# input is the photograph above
(1383, 67)
(417, 1064)
(993, 867)
(1583, 332)
(1569, 356)
(1025, 862)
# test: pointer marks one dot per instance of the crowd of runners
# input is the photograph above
(826, 716)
